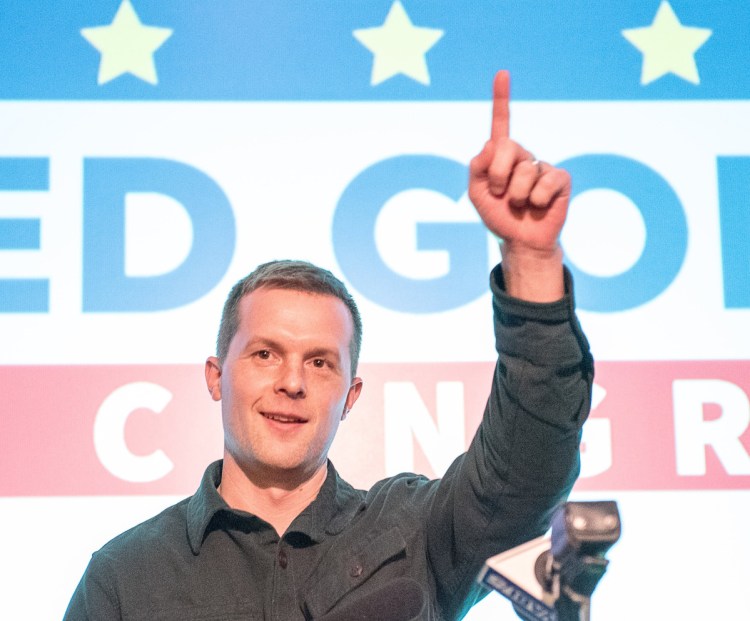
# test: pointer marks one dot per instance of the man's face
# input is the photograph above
(285, 383)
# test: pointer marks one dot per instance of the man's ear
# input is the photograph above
(351, 398)
(213, 377)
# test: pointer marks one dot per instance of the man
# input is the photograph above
(273, 531)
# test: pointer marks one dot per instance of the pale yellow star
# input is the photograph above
(668, 46)
(126, 45)
(398, 47)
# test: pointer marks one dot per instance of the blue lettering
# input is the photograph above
(359, 259)
(734, 211)
(23, 295)
(106, 288)
(666, 232)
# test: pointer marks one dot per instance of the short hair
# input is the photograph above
(296, 276)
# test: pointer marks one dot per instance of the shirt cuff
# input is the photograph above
(548, 312)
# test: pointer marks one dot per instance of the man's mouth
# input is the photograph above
(283, 418)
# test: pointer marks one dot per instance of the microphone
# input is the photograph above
(553, 578)
(400, 600)
(513, 575)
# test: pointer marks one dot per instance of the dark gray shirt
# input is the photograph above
(200, 559)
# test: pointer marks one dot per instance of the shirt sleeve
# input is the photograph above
(524, 458)
(94, 599)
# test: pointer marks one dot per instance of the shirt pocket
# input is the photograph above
(225, 611)
(364, 568)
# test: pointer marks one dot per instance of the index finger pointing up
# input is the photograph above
(500, 105)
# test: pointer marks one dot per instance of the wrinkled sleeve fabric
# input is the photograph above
(524, 458)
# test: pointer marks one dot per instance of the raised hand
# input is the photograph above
(523, 201)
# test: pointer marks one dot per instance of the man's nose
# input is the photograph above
(291, 380)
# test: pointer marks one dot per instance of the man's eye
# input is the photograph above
(263, 354)
(319, 363)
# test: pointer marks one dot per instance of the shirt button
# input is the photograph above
(356, 570)
(283, 560)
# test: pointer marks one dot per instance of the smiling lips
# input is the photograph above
(283, 418)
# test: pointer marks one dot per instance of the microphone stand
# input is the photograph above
(553, 578)
(571, 587)
(581, 535)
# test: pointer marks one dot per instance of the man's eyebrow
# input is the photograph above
(261, 341)
(323, 352)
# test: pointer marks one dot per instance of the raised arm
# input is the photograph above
(523, 202)
(524, 457)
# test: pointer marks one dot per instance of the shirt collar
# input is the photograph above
(335, 506)
(204, 504)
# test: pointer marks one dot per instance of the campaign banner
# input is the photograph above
(153, 153)
(152, 429)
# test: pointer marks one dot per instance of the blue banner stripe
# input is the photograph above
(301, 50)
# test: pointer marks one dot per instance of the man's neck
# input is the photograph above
(277, 504)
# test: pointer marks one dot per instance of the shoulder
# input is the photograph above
(407, 490)
(147, 540)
